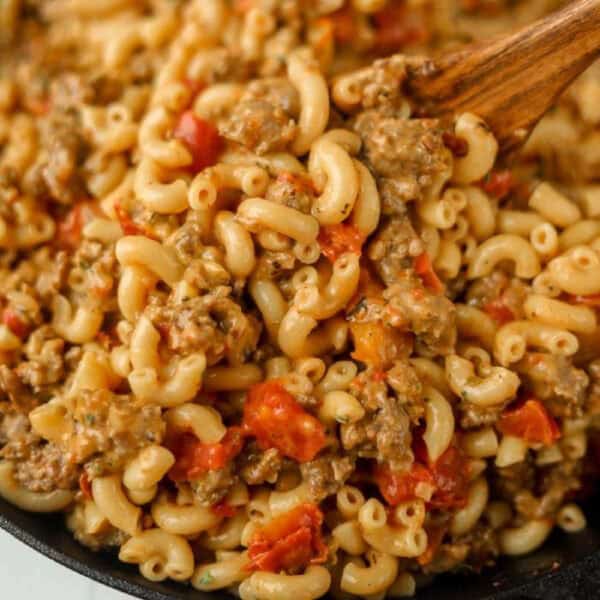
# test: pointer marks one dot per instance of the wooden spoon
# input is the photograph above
(512, 81)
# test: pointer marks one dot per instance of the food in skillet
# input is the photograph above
(265, 326)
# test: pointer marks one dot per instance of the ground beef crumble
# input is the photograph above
(409, 151)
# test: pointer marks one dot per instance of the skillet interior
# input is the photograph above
(567, 567)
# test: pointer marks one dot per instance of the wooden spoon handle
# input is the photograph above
(512, 81)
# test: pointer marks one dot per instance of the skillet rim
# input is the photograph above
(544, 582)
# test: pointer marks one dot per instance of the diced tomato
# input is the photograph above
(399, 487)
(435, 535)
(15, 322)
(593, 300)
(379, 376)
(128, 225)
(276, 420)
(424, 269)
(338, 239)
(377, 344)
(193, 458)
(344, 25)
(498, 310)
(290, 541)
(457, 145)
(201, 138)
(85, 485)
(69, 229)
(499, 184)
(398, 25)
(223, 509)
(451, 478)
(530, 421)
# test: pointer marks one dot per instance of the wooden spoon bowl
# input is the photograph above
(511, 81)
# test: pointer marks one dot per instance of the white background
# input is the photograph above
(25, 573)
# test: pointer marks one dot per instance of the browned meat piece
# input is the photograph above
(39, 466)
(213, 486)
(383, 434)
(212, 323)
(593, 396)
(13, 425)
(472, 415)
(45, 467)
(509, 481)
(560, 479)
(224, 64)
(106, 538)
(498, 287)
(53, 275)
(19, 395)
(112, 426)
(393, 194)
(260, 126)
(410, 151)
(258, 466)
(58, 175)
(326, 475)
(292, 190)
(483, 545)
(45, 353)
(277, 91)
(71, 90)
(555, 483)
(381, 84)
(393, 249)
(556, 381)
(447, 558)
(403, 379)
(431, 317)
(273, 264)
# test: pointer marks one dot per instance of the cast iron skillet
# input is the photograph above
(566, 568)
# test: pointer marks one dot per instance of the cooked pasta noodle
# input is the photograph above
(264, 326)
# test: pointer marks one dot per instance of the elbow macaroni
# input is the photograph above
(242, 275)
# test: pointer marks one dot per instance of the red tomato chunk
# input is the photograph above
(223, 509)
(128, 225)
(201, 138)
(424, 269)
(193, 458)
(15, 322)
(68, 233)
(336, 240)
(451, 478)
(448, 476)
(498, 310)
(531, 422)
(85, 485)
(276, 420)
(289, 542)
(499, 184)
(399, 487)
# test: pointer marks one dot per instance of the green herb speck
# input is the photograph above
(206, 579)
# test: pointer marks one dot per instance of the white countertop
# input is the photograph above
(26, 574)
